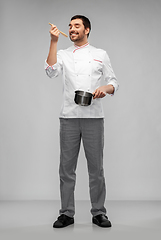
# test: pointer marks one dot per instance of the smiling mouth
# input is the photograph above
(73, 34)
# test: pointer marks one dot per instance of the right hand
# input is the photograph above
(54, 33)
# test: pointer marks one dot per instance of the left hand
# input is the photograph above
(100, 92)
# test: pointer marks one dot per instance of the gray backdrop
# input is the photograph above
(30, 102)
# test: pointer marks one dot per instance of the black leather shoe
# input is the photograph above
(63, 221)
(101, 220)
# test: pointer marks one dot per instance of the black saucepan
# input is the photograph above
(83, 98)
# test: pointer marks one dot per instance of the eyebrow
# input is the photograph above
(76, 24)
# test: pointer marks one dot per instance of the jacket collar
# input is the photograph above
(80, 47)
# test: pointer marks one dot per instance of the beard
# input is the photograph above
(79, 37)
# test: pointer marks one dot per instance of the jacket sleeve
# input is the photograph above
(56, 69)
(108, 73)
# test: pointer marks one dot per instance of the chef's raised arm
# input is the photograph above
(53, 63)
(108, 73)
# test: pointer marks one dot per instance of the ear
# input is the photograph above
(87, 30)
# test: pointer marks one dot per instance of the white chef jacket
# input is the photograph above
(82, 69)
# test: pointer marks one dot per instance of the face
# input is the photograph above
(77, 31)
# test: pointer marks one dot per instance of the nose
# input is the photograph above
(72, 28)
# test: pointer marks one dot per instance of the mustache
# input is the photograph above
(73, 32)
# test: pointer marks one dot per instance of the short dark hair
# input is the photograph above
(85, 21)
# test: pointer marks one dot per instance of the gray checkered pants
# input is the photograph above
(91, 131)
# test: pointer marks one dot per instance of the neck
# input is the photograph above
(81, 43)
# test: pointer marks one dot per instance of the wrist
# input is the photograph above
(110, 89)
(54, 42)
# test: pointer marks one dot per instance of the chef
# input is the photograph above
(82, 67)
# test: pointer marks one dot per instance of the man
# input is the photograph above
(82, 67)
